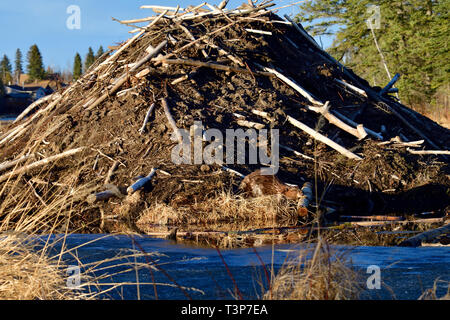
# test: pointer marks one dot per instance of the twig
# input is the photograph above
(147, 117)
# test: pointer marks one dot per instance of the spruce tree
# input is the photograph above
(5, 70)
(77, 67)
(100, 52)
(413, 37)
(18, 69)
(35, 66)
(90, 59)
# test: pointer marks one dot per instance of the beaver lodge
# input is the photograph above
(96, 157)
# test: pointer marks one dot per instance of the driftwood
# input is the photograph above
(430, 235)
(267, 33)
(40, 163)
(141, 182)
(370, 92)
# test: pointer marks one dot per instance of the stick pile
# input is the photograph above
(210, 63)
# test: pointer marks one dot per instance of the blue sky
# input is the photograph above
(43, 22)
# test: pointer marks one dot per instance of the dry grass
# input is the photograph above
(29, 274)
(431, 294)
(317, 274)
(224, 208)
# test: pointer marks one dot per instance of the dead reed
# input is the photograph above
(316, 274)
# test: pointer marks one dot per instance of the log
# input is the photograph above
(180, 79)
(430, 235)
(147, 117)
(40, 163)
(316, 135)
(374, 134)
(161, 8)
(127, 44)
(222, 4)
(151, 24)
(141, 182)
(223, 52)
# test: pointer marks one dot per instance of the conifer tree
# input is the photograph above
(18, 69)
(77, 67)
(35, 66)
(100, 52)
(5, 70)
(90, 59)
(413, 37)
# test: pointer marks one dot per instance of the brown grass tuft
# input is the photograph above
(317, 274)
(29, 274)
(224, 208)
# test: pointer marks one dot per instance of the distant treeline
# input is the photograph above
(35, 67)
